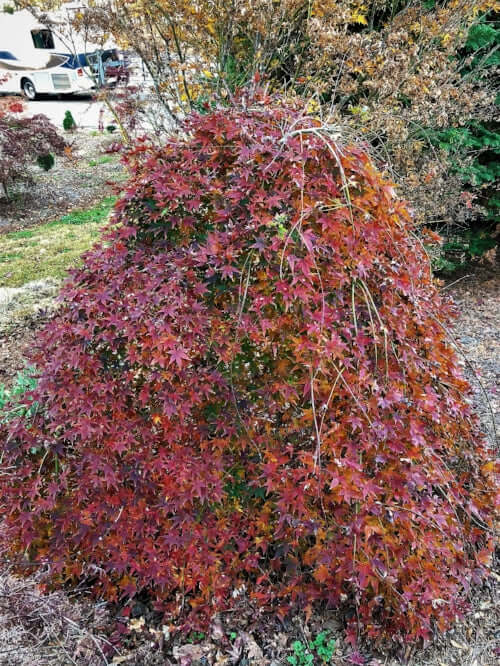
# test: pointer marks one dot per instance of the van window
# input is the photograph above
(42, 39)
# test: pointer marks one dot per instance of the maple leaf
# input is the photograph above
(16, 107)
(228, 271)
(321, 574)
(178, 355)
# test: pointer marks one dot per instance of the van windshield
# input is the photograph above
(42, 39)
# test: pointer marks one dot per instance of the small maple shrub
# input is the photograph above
(248, 386)
(24, 141)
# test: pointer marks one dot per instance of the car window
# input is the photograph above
(42, 39)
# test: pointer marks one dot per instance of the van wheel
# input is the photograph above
(29, 90)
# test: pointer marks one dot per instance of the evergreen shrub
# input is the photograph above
(69, 123)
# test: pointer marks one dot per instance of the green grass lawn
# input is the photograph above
(50, 249)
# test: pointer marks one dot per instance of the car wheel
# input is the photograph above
(29, 89)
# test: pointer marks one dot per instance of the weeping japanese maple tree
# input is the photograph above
(248, 387)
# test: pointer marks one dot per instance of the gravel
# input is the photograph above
(477, 332)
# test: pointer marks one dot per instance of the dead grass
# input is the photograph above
(48, 250)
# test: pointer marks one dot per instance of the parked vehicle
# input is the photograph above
(108, 68)
(34, 60)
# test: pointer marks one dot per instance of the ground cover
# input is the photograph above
(79, 179)
(47, 250)
(44, 229)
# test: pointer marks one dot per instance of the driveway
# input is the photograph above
(85, 110)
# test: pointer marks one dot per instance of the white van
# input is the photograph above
(33, 60)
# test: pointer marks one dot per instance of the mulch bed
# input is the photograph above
(477, 330)
(72, 183)
(15, 342)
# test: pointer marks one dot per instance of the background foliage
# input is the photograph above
(473, 151)
(414, 79)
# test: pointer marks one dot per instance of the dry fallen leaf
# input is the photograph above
(222, 659)
(236, 650)
(186, 654)
(137, 624)
(253, 650)
(217, 631)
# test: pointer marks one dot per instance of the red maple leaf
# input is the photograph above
(178, 355)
